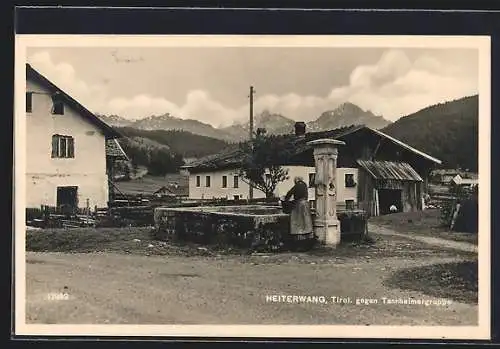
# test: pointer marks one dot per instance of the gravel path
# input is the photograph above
(134, 289)
(456, 245)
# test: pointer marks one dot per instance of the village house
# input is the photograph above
(69, 151)
(446, 176)
(374, 171)
(468, 183)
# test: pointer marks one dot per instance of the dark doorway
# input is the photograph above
(67, 199)
(387, 198)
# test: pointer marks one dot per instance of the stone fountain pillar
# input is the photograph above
(326, 224)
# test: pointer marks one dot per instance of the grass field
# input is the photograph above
(137, 240)
(426, 223)
(147, 185)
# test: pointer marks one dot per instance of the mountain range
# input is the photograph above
(344, 115)
(447, 131)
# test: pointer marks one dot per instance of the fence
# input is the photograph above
(62, 216)
(135, 211)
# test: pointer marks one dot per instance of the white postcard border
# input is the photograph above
(482, 331)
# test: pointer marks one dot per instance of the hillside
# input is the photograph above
(163, 152)
(183, 143)
(169, 122)
(144, 152)
(344, 115)
(447, 131)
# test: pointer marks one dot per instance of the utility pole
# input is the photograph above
(252, 92)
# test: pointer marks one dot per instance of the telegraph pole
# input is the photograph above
(252, 92)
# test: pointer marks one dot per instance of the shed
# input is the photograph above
(386, 183)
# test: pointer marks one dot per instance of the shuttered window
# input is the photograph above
(311, 179)
(57, 105)
(63, 146)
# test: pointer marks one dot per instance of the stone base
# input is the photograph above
(328, 233)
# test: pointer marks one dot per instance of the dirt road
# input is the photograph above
(456, 245)
(134, 289)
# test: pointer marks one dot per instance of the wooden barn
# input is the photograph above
(374, 170)
(382, 184)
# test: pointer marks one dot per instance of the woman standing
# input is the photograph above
(301, 227)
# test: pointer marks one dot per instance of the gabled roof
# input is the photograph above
(107, 130)
(114, 150)
(387, 170)
(406, 146)
(232, 157)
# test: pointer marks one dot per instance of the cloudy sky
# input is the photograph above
(212, 84)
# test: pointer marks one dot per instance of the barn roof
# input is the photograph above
(114, 150)
(233, 157)
(107, 130)
(388, 170)
(406, 146)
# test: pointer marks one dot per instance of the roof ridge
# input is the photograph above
(109, 132)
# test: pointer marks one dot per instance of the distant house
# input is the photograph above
(68, 149)
(446, 176)
(464, 182)
(374, 171)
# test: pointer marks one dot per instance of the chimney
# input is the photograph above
(300, 128)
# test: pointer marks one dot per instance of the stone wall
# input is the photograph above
(221, 228)
(270, 232)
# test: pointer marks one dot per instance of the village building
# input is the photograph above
(374, 171)
(69, 150)
(459, 181)
(447, 176)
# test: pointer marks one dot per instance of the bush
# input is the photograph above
(461, 196)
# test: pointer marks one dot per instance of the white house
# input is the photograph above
(374, 170)
(65, 148)
(464, 182)
(227, 184)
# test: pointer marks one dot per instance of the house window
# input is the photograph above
(224, 181)
(349, 180)
(349, 204)
(198, 181)
(63, 146)
(236, 197)
(57, 105)
(236, 182)
(207, 181)
(311, 179)
(29, 102)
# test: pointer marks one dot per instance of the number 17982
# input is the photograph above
(59, 296)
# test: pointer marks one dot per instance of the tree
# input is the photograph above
(262, 162)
